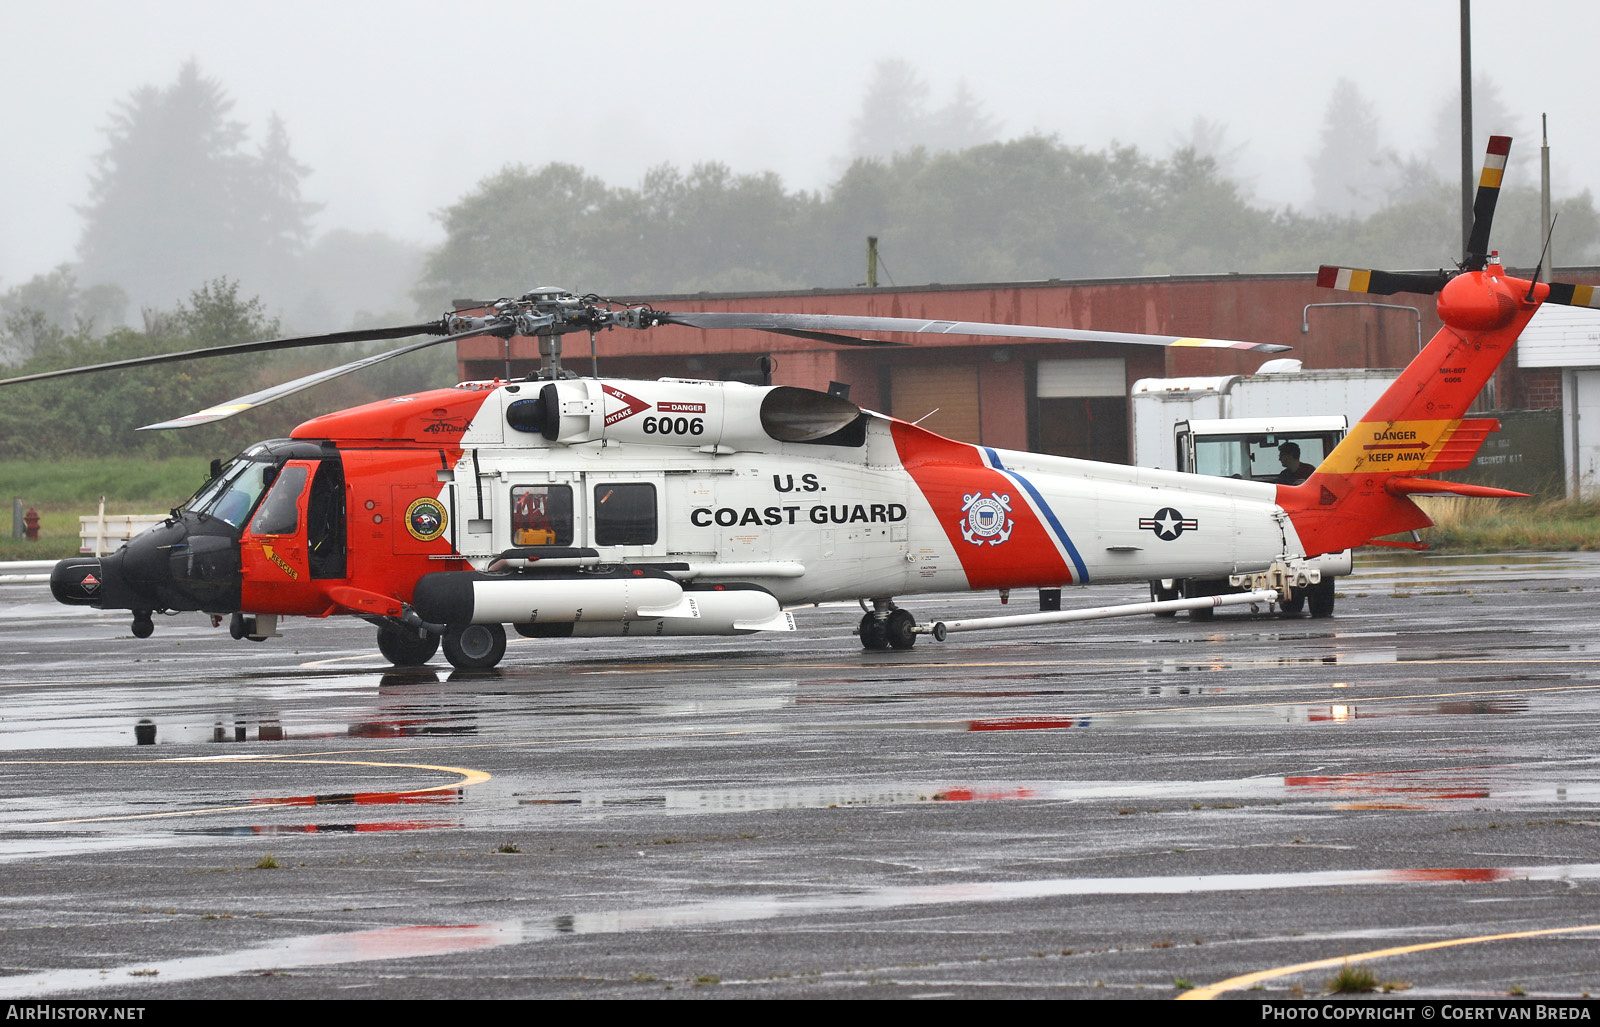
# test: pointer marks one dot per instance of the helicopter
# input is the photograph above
(569, 506)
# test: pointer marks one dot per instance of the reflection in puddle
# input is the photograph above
(365, 798)
(1407, 789)
(308, 950)
(414, 942)
(1262, 713)
(287, 829)
(1410, 789)
(901, 794)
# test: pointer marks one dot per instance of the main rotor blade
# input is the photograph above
(236, 348)
(1494, 167)
(276, 392)
(789, 324)
(1379, 283)
(1569, 295)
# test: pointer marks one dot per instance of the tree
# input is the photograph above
(895, 117)
(50, 305)
(175, 199)
(1209, 138)
(1347, 172)
(518, 229)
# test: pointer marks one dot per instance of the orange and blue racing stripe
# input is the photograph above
(1047, 516)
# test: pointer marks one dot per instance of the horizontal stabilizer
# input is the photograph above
(1461, 448)
(1428, 486)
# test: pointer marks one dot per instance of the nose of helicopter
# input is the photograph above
(173, 566)
(78, 581)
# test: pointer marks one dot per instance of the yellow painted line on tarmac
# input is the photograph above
(1211, 991)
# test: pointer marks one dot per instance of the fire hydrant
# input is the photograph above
(30, 525)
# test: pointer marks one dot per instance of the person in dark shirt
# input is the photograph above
(1294, 472)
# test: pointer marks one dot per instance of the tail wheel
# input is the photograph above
(474, 646)
(898, 629)
(405, 648)
(1319, 598)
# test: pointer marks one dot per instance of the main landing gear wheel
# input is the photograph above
(874, 632)
(404, 647)
(474, 646)
(1319, 598)
(891, 632)
(897, 630)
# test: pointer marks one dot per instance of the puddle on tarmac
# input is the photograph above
(1256, 714)
(418, 942)
(1497, 784)
(289, 829)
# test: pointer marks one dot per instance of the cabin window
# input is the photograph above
(541, 515)
(280, 514)
(625, 514)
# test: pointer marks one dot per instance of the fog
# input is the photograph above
(400, 108)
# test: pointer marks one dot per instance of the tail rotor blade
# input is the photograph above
(1569, 295)
(1494, 167)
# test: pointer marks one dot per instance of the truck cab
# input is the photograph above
(1247, 448)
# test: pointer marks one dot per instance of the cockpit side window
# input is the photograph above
(232, 495)
(280, 512)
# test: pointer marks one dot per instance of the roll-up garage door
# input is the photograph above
(951, 390)
(1080, 409)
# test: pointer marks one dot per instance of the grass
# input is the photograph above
(63, 490)
(268, 862)
(1496, 525)
(1351, 980)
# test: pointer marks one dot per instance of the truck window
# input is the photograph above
(1256, 456)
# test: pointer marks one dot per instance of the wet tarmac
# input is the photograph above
(1119, 808)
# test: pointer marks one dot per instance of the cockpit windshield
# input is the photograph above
(232, 494)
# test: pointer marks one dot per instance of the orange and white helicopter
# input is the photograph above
(567, 506)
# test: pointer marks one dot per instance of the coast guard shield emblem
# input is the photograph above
(987, 518)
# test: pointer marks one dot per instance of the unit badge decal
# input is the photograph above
(987, 518)
(426, 519)
(1168, 524)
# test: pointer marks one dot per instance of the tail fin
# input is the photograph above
(1419, 426)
